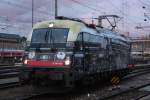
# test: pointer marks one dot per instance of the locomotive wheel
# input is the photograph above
(115, 80)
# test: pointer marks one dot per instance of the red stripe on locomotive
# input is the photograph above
(46, 63)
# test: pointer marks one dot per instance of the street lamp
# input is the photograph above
(32, 12)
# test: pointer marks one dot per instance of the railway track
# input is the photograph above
(9, 85)
(90, 90)
(136, 72)
(9, 76)
(139, 70)
(110, 97)
(85, 96)
(143, 97)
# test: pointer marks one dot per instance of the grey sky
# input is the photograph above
(16, 14)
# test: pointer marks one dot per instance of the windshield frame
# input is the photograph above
(49, 32)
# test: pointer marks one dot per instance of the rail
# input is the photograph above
(9, 76)
(138, 72)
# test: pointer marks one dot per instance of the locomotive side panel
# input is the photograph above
(121, 55)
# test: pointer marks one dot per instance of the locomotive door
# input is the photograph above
(79, 53)
(109, 55)
(91, 51)
(86, 51)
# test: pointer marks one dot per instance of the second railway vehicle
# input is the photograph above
(66, 51)
(140, 51)
(11, 49)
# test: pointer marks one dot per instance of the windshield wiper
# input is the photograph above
(52, 39)
(46, 36)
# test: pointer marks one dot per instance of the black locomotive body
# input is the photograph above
(65, 51)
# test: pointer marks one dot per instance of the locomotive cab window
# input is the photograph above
(79, 38)
(48, 35)
(86, 37)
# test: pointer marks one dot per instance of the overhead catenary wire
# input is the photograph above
(72, 8)
(96, 10)
(87, 6)
(91, 6)
(27, 10)
(96, 6)
(121, 11)
(22, 7)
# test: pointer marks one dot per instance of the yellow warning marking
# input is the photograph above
(115, 80)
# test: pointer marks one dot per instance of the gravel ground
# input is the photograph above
(107, 90)
(81, 93)
(16, 92)
(129, 96)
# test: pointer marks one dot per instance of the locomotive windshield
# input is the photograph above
(50, 35)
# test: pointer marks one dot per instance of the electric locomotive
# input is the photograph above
(65, 51)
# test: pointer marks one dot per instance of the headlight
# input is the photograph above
(25, 61)
(60, 55)
(67, 61)
(31, 55)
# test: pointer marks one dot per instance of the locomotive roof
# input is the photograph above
(77, 27)
(74, 27)
(114, 35)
